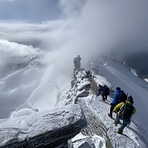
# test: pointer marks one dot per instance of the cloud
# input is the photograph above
(71, 8)
(98, 27)
(86, 28)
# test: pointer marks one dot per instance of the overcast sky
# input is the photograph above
(76, 26)
(29, 10)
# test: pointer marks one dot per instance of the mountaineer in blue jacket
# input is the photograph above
(116, 100)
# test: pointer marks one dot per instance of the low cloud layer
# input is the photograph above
(87, 28)
(80, 27)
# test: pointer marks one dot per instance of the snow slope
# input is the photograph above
(40, 129)
(52, 91)
(119, 75)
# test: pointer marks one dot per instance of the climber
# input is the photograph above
(124, 111)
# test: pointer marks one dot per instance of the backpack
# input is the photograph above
(126, 111)
(106, 90)
(123, 97)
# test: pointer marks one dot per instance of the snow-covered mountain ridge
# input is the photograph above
(100, 131)
(100, 109)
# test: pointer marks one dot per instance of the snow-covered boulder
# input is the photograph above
(46, 128)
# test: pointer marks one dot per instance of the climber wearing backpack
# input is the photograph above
(104, 91)
(115, 101)
(124, 112)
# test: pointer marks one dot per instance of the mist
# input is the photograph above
(30, 43)
(86, 28)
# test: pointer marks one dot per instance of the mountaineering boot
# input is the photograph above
(119, 132)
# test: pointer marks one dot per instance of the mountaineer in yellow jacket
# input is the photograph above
(124, 112)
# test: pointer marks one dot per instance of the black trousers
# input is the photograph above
(111, 108)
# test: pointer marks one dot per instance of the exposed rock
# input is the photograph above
(42, 129)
